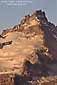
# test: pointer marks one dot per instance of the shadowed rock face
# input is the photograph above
(34, 40)
(5, 43)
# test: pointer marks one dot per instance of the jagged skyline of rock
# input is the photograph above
(29, 49)
(11, 16)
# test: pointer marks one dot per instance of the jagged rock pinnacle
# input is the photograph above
(34, 40)
(28, 20)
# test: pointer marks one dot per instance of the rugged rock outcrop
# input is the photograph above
(30, 48)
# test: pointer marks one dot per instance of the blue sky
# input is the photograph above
(10, 16)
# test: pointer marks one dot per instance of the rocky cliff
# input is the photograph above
(29, 49)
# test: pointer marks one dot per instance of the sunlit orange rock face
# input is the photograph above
(34, 40)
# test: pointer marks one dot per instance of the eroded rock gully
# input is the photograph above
(29, 49)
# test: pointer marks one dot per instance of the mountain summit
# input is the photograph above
(30, 48)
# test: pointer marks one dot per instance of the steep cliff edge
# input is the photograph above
(30, 48)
